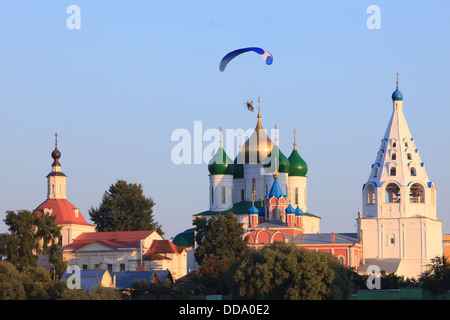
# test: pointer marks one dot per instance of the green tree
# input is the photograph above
(219, 236)
(99, 293)
(11, 287)
(125, 208)
(30, 235)
(437, 276)
(284, 272)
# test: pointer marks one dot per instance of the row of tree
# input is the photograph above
(283, 271)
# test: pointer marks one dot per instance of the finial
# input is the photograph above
(259, 107)
(253, 195)
(276, 135)
(397, 79)
(56, 139)
(240, 140)
(295, 140)
(220, 129)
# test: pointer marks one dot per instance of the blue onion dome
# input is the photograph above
(221, 163)
(262, 212)
(397, 95)
(290, 209)
(253, 210)
(297, 166)
(238, 172)
(279, 159)
(298, 211)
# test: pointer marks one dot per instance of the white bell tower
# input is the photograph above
(399, 202)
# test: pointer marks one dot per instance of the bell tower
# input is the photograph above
(398, 219)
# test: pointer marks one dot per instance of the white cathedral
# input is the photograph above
(397, 230)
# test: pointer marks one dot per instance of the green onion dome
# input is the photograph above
(238, 172)
(221, 163)
(297, 166)
(279, 158)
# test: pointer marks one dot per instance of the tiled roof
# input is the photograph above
(63, 210)
(113, 239)
(324, 238)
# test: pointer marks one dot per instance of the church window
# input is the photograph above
(394, 156)
(391, 239)
(392, 193)
(122, 267)
(223, 194)
(212, 195)
(393, 171)
(341, 260)
(380, 157)
(413, 172)
(267, 189)
(394, 144)
(296, 196)
(409, 156)
(406, 144)
(242, 194)
(53, 188)
(375, 172)
(416, 193)
(370, 193)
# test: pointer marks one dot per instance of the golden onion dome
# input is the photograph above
(259, 145)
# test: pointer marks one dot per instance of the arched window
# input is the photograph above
(392, 194)
(416, 193)
(212, 195)
(370, 194)
(394, 144)
(413, 171)
(393, 171)
(296, 196)
(391, 239)
(406, 144)
(341, 260)
(408, 156)
(242, 194)
(223, 194)
(394, 156)
(375, 172)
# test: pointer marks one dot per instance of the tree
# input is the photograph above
(125, 208)
(30, 234)
(437, 276)
(219, 236)
(283, 271)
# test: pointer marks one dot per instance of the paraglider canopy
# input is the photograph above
(266, 55)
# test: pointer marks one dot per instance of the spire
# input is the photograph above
(295, 140)
(221, 143)
(56, 154)
(259, 108)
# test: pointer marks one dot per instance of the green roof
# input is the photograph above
(185, 238)
(241, 208)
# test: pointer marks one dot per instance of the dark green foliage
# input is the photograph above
(125, 208)
(30, 235)
(219, 236)
(437, 276)
(284, 272)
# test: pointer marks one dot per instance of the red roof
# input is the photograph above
(165, 246)
(64, 211)
(113, 239)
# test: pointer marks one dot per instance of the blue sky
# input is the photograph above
(116, 89)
